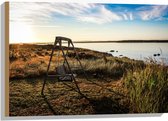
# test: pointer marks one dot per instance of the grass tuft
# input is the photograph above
(148, 88)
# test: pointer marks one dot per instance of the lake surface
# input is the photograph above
(139, 51)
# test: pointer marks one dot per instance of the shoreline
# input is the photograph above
(31, 60)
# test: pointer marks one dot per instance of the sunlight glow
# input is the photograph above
(21, 33)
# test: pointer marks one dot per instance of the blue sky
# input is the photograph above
(41, 22)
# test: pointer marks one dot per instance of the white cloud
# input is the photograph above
(145, 13)
(154, 12)
(45, 13)
(131, 16)
(101, 16)
(40, 12)
(30, 13)
(34, 13)
(127, 16)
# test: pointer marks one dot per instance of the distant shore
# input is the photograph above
(107, 41)
(125, 41)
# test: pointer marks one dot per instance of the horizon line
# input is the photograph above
(102, 41)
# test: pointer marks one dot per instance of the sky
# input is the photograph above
(43, 21)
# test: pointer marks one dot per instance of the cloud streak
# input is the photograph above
(153, 12)
(100, 16)
(37, 12)
(44, 13)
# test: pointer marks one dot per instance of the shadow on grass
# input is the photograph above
(107, 105)
(100, 105)
(50, 106)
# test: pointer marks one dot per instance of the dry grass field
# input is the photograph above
(114, 86)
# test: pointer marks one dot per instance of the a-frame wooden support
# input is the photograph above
(58, 45)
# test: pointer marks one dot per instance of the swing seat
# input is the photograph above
(64, 74)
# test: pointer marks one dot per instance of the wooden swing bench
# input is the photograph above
(64, 71)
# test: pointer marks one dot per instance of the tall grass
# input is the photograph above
(98, 66)
(148, 88)
(113, 67)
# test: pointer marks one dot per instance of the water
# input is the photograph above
(138, 51)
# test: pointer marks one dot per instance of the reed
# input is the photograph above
(148, 88)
